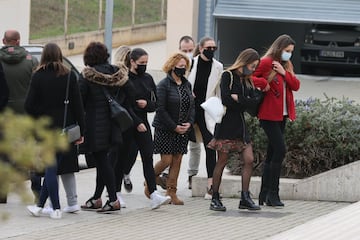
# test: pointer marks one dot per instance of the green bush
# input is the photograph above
(25, 144)
(324, 136)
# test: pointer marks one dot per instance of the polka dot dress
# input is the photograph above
(170, 142)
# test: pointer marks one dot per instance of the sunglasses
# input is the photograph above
(211, 48)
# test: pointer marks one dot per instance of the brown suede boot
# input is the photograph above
(146, 190)
(158, 169)
(171, 184)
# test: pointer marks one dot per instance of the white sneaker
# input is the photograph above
(47, 210)
(72, 209)
(157, 200)
(34, 210)
(121, 200)
(56, 214)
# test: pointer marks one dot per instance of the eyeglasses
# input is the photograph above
(211, 48)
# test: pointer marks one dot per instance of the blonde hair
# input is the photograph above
(246, 57)
(173, 60)
(121, 56)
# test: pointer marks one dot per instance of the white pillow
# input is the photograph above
(213, 106)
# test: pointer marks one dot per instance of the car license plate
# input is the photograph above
(334, 54)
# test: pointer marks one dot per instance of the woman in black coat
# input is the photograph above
(46, 98)
(102, 136)
(174, 117)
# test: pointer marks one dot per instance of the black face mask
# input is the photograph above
(141, 69)
(208, 53)
(246, 71)
(179, 71)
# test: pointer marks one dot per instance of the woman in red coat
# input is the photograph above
(275, 75)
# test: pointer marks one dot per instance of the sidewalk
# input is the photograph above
(194, 220)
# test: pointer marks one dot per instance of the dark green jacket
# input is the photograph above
(18, 66)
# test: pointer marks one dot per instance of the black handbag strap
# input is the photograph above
(66, 101)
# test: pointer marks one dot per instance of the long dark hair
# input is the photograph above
(52, 57)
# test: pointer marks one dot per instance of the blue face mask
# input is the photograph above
(285, 56)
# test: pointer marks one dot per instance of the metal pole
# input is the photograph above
(66, 17)
(100, 14)
(133, 13)
(162, 10)
(108, 25)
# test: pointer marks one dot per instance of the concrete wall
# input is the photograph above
(182, 19)
(15, 14)
(339, 184)
(121, 36)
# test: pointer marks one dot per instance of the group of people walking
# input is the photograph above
(192, 75)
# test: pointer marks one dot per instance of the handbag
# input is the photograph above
(119, 114)
(213, 105)
(72, 131)
(257, 97)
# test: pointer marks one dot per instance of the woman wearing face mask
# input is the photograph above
(231, 134)
(275, 75)
(174, 116)
(204, 75)
(139, 137)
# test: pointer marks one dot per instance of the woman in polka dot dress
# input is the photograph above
(174, 117)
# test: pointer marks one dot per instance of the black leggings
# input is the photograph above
(276, 149)
(104, 174)
(206, 136)
(134, 142)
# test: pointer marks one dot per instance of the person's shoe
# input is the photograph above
(208, 194)
(247, 203)
(273, 199)
(3, 199)
(157, 200)
(47, 210)
(34, 210)
(262, 197)
(128, 184)
(72, 209)
(56, 214)
(161, 180)
(216, 205)
(92, 204)
(110, 207)
(190, 182)
(121, 200)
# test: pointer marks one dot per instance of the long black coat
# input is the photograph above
(46, 97)
(101, 134)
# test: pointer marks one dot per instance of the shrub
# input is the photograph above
(25, 144)
(324, 136)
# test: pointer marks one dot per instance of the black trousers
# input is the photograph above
(105, 175)
(135, 141)
(206, 136)
(276, 150)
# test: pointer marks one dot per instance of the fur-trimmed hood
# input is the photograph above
(102, 75)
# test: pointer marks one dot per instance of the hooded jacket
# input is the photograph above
(18, 66)
(100, 132)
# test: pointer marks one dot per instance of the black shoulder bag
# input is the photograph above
(119, 114)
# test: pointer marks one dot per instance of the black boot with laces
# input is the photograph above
(247, 203)
(216, 204)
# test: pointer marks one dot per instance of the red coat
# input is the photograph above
(272, 107)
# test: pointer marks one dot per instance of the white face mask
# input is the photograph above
(285, 56)
(189, 55)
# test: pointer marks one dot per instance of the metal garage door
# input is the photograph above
(320, 11)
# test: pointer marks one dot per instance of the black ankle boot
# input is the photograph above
(273, 199)
(247, 203)
(216, 204)
(3, 198)
(262, 196)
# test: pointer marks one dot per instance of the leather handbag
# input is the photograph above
(257, 97)
(119, 114)
(72, 131)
